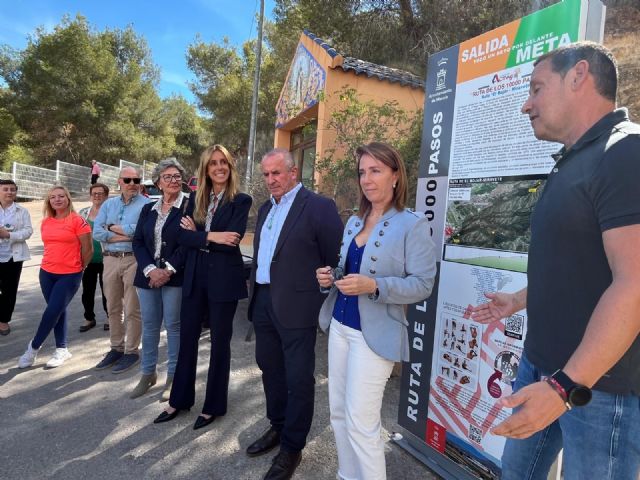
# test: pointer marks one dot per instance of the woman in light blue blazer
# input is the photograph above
(387, 261)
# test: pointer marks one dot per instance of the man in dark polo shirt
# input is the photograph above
(578, 384)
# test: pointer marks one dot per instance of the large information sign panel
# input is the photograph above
(481, 172)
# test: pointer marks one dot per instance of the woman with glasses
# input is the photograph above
(214, 224)
(159, 276)
(15, 229)
(67, 251)
(98, 193)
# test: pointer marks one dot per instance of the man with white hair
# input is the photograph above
(114, 227)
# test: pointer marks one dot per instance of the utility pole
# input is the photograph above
(254, 102)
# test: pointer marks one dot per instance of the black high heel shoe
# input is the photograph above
(165, 417)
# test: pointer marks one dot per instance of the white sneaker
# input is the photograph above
(28, 358)
(60, 356)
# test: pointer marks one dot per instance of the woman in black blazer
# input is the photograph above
(159, 275)
(214, 224)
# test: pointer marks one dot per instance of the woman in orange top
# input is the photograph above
(67, 250)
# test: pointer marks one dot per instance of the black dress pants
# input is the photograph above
(90, 277)
(286, 357)
(9, 279)
(220, 314)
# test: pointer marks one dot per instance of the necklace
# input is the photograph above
(270, 222)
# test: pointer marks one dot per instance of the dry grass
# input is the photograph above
(622, 36)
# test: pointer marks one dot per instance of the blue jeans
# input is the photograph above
(601, 440)
(157, 304)
(58, 291)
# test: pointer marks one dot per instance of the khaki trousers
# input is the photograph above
(125, 326)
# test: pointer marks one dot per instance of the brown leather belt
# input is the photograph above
(117, 254)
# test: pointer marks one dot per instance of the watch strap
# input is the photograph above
(562, 393)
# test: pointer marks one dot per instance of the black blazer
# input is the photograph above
(225, 280)
(143, 244)
(309, 239)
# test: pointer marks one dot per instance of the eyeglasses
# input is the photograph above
(129, 180)
(98, 194)
(169, 178)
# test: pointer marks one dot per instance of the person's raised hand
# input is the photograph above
(501, 305)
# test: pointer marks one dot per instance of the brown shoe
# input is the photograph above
(5, 331)
(146, 382)
(88, 325)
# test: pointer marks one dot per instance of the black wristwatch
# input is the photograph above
(574, 394)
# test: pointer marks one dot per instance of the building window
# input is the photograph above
(303, 150)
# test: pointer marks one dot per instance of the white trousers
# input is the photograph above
(357, 377)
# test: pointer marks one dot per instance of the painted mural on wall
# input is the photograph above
(304, 83)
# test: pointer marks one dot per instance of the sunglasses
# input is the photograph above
(129, 180)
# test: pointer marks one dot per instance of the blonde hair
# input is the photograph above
(47, 209)
(205, 185)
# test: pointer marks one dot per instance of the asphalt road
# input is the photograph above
(75, 423)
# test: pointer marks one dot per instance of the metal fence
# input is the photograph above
(147, 170)
(75, 177)
(109, 176)
(33, 182)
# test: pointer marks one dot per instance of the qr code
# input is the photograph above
(514, 326)
(475, 434)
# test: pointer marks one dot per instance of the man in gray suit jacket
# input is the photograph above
(297, 231)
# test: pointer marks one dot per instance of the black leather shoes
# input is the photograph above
(268, 441)
(284, 464)
(203, 422)
(165, 417)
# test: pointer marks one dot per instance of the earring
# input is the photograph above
(394, 185)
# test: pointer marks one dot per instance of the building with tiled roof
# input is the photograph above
(318, 71)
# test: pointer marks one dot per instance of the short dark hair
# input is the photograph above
(99, 185)
(602, 64)
(391, 158)
(8, 182)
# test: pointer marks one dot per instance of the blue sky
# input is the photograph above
(168, 26)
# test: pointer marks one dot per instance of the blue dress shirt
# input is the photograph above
(115, 212)
(345, 309)
(270, 233)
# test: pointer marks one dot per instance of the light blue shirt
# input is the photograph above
(115, 212)
(270, 233)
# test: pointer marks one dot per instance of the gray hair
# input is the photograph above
(165, 164)
(286, 155)
(135, 169)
